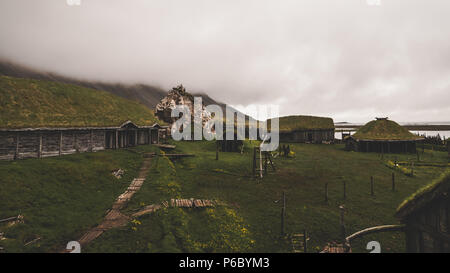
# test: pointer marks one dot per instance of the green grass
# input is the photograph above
(258, 202)
(35, 103)
(60, 197)
(248, 219)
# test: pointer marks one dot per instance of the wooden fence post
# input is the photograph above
(371, 186)
(283, 213)
(342, 208)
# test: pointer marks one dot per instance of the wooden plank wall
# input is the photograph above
(428, 230)
(36, 144)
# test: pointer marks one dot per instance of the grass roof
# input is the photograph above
(420, 198)
(27, 103)
(384, 129)
(299, 123)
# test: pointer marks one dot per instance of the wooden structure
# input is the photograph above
(426, 216)
(261, 160)
(382, 136)
(300, 242)
(45, 142)
(306, 129)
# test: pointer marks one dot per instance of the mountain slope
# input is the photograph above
(40, 103)
(148, 95)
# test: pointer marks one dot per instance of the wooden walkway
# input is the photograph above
(183, 203)
(114, 218)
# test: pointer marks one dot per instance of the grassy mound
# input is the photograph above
(384, 129)
(28, 103)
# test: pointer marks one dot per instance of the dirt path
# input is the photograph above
(114, 218)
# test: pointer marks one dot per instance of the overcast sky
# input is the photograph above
(345, 59)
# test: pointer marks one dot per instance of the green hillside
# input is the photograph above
(28, 103)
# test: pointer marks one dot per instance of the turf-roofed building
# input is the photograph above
(426, 215)
(383, 136)
(43, 118)
(306, 129)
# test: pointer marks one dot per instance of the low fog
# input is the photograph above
(346, 59)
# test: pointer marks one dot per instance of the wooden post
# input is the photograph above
(60, 142)
(393, 181)
(345, 190)
(117, 139)
(342, 210)
(16, 154)
(418, 157)
(135, 137)
(371, 186)
(91, 140)
(40, 146)
(326, 192)
(305, 241)
(412, 168)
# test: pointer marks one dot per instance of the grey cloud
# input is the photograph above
(342, 59)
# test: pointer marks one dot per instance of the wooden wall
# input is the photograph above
(312, 136)
(37, 144)
(428, 229)
(386, 147)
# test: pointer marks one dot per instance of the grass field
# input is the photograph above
(62, 197)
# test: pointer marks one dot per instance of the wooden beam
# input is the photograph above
(375, 230)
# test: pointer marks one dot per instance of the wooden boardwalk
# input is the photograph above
(183, 203)
(114, 218)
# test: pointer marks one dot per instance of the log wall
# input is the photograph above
(45, 143)
(310, 136)
(428, 229)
